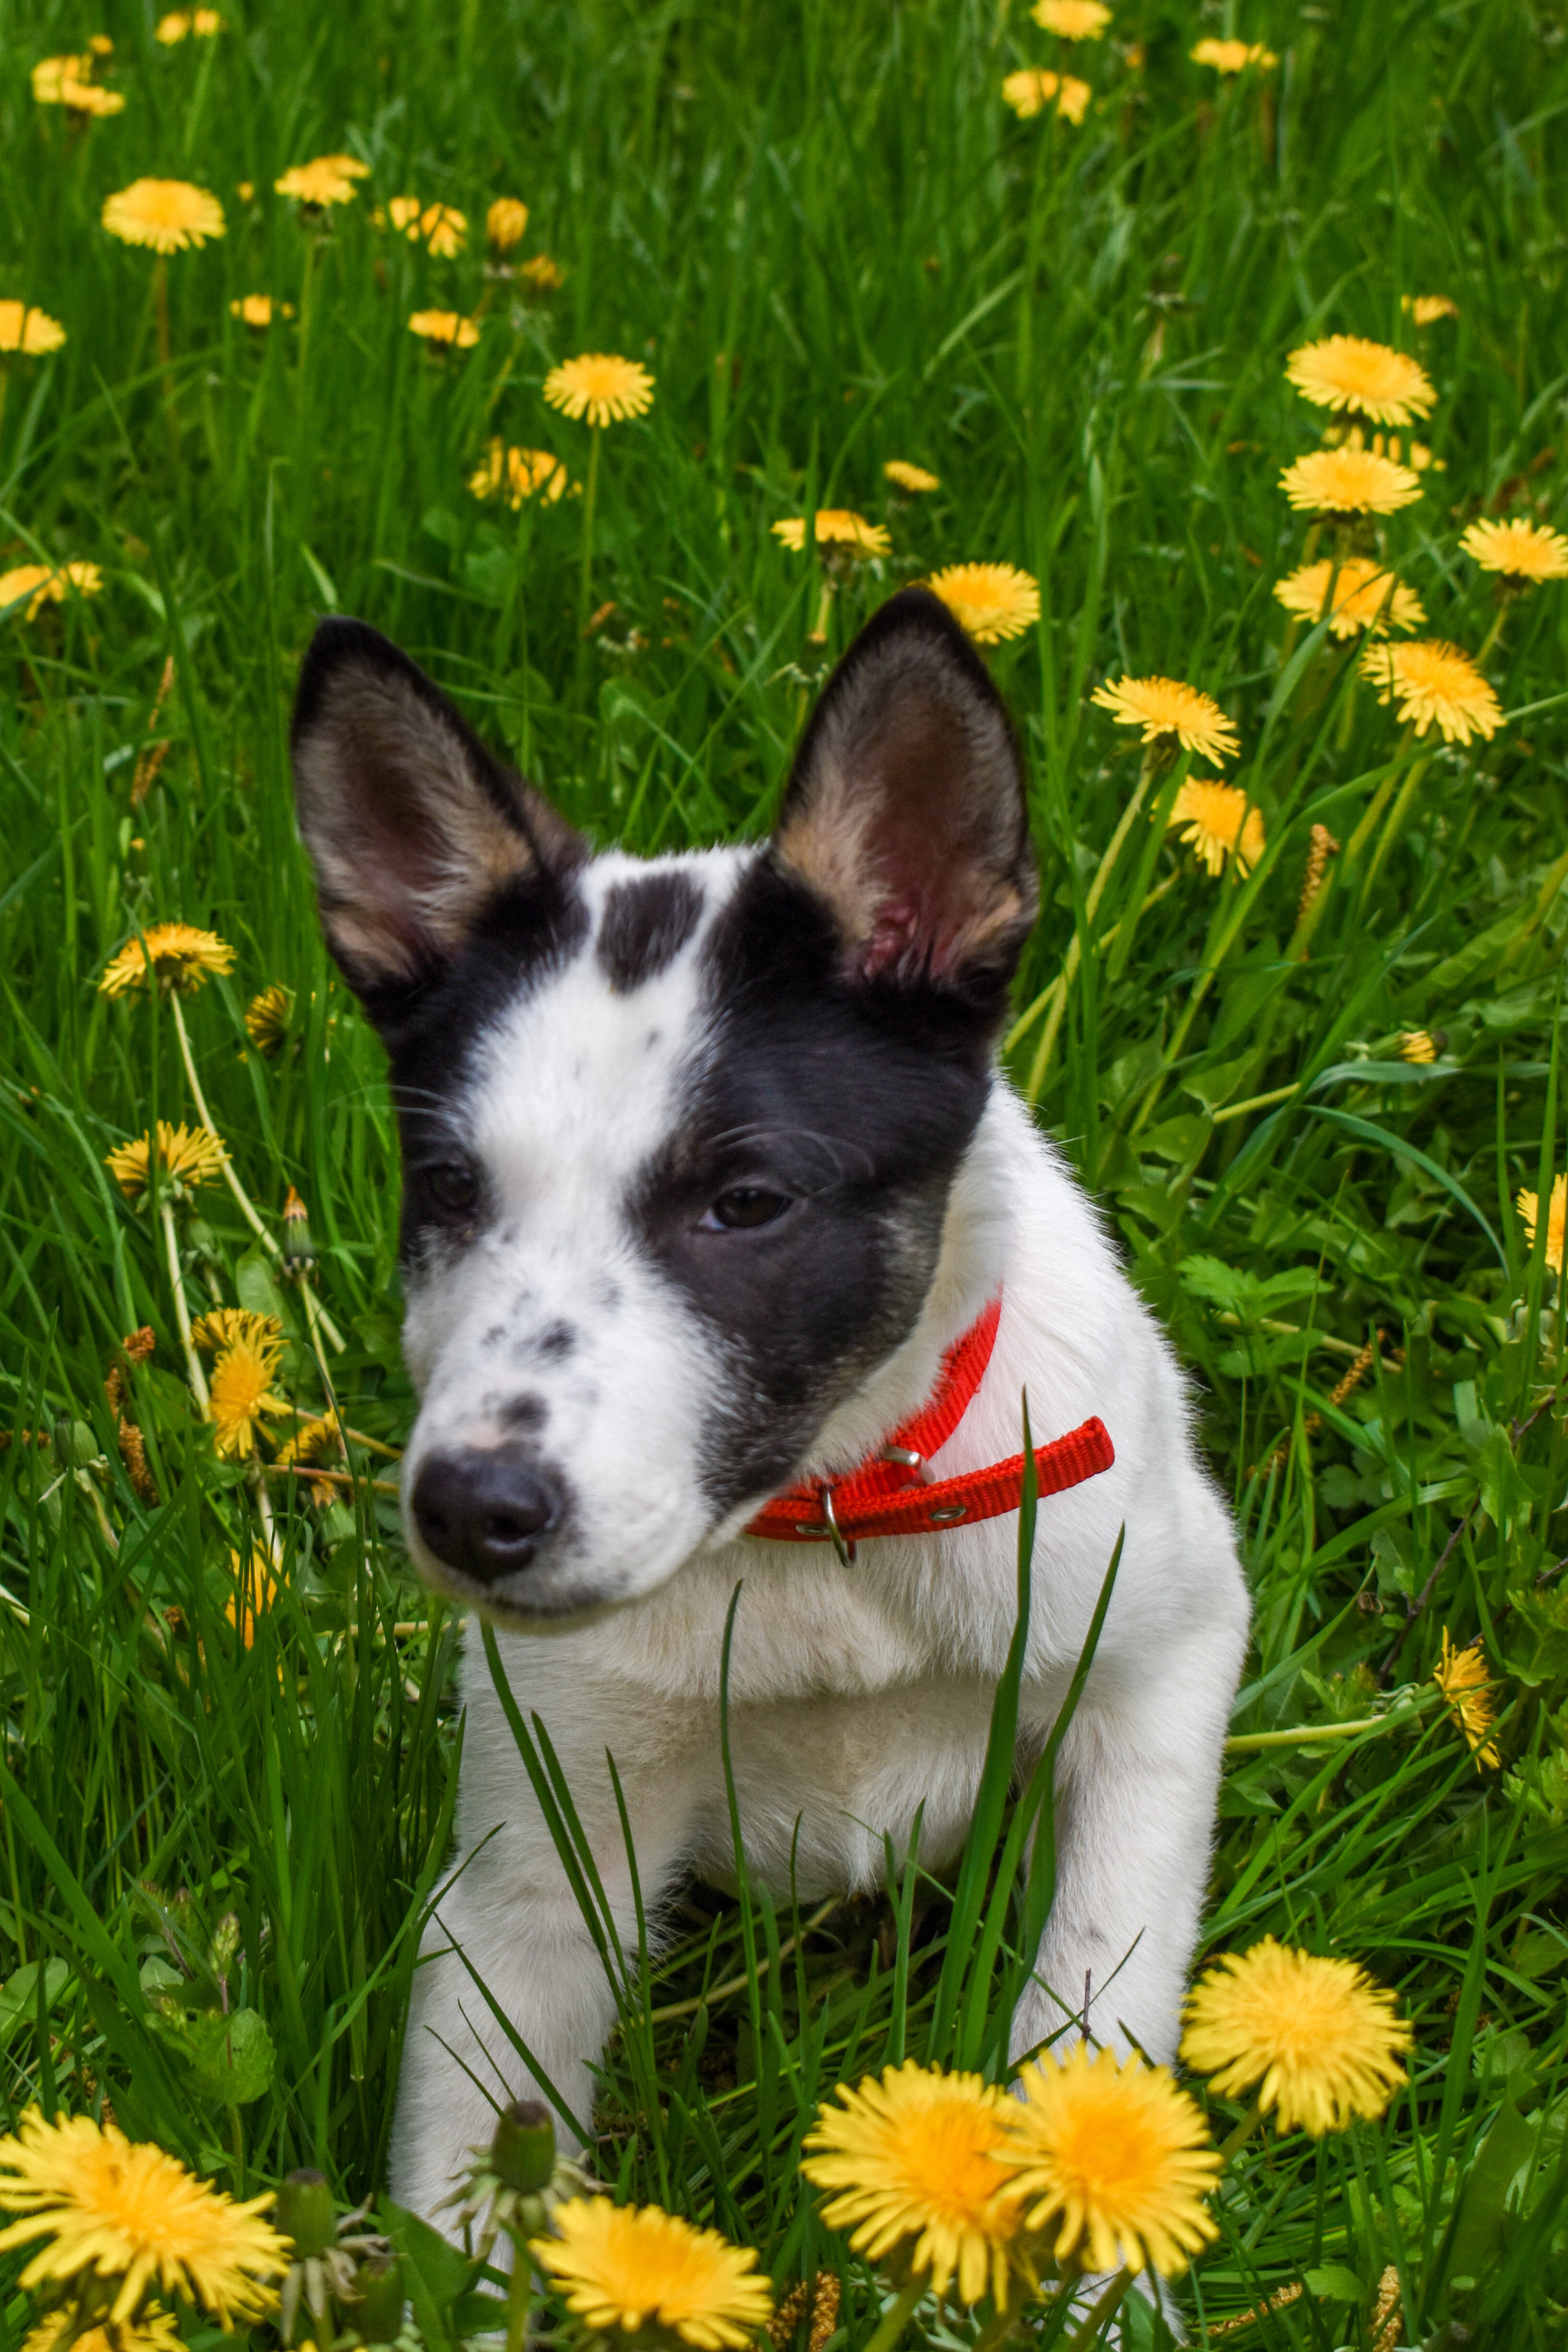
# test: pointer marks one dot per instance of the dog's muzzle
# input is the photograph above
(483, 1512)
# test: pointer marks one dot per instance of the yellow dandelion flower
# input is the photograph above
(258, 310)
(126, 2210)
(170, 215)
(445, 329)
(1318, 2040)
(835, 527)
(910, 478)
(1462, 1676)
(505, 223)
(1071, 20)
(267, 1018)
(402, 213)
(149, 2331)
(24, 328)
(1112, 2158)
(181, 24)
(1365, 596)
(174, 954)
(91, 98)
(1521, 551)
(50, 76)
(1072, 99)
(1167, 707)
(1348, 481)
(42, 584)
(227, 1327)
(188, 1155)
(245, 190)
(517, 474)
(1233, 57)
(444, 230)
(913, 2157)
(543, 275)
(1428, 309)
(318, 184)
(100, 45)
(1528, 1207)
(1216, 822)
(254, 1590)
(312, 1440)
(991, 601)
(601, 387)
(1030, 90)
(1418, 1045)
(622, 2265)
(1346, 372)
(347, 167)
(242, 1395)
(1432, 681)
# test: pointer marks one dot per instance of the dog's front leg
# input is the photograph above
(509, 1917)
(1135, 1793)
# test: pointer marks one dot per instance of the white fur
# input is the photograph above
(857, 1693)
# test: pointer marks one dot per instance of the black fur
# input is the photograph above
(646, 924)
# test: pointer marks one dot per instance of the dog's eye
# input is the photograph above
(453, 1186)
(743, 1206)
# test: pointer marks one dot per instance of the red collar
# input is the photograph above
(893, 1494)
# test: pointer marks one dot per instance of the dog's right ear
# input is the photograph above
(413, 826)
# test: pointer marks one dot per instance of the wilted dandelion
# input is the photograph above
(993, 601)
(447, 330)
(24, 328)
(913, 2160)
(505, 224)
(1348, 481)
(835, 527)
(1033, 87)
(183, 24)
(267, 1018)
(1428, 309)
(1112, 2160)
(324, 181)
(910, 478)
(258, 310)
(1168, 709)
(600, 386)
(1232, 57)
(627, 2266)
(1071, 20)
(44, 583)
(1434, 682)
(1218, 822)
(169, 216)
(541, 275)
(127, 2213)
(174, 955)
(1318, 2040)
(1347, 374)
(1524, 552)
(186, 1157)
(1365, 596)
(1528, 1207)
(1462, 1676)
(513, 475)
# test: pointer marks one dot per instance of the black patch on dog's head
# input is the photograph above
(646, 924)
(853, 985)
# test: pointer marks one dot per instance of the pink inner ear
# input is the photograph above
(926, 889)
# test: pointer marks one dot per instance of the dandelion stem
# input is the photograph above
(589, 495)
(896, 2317)
(1241, 2133)
(1103, 2309)
(517, 2297)
(1396, 825)
(1062, 985)
(313, 1308)
(198, 1378)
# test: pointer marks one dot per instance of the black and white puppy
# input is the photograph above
(706, 1163)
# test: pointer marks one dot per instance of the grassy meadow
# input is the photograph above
(229, 1739)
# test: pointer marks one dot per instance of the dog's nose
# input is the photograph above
(483, 1511)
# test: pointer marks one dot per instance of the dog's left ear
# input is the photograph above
(905, 809)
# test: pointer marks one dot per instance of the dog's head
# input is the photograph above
(678, 1135)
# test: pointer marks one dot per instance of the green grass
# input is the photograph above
(832, 245)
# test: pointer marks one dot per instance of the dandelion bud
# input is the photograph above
(307, 2211)
(522, 2153)
(378, 2298)
(299, 1250)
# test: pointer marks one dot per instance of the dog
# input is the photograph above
(711, 1186)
